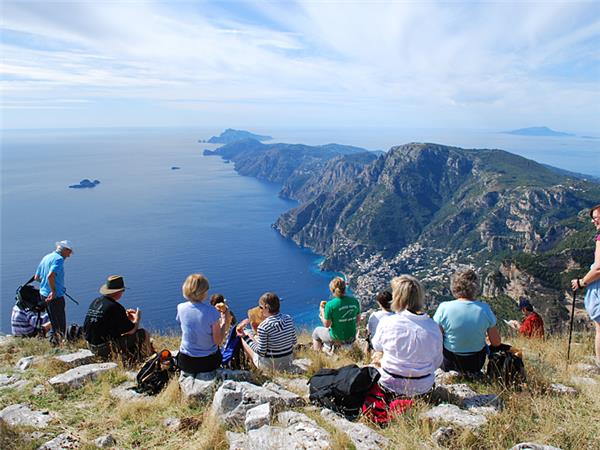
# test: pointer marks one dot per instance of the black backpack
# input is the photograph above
(156, 373)
(28, 298)
(505, 368)
(342, 390)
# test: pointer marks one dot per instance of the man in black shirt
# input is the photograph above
(110, 328)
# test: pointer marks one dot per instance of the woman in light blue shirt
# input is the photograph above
(202, 328)
(466, 323)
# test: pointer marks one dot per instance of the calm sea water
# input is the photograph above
(155, 225)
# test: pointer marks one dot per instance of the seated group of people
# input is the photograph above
(411, 345)
(204, 328)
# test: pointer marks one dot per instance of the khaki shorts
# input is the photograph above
(282, 363)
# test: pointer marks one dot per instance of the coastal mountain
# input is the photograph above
(538, 131)
(230, 135)
(292, 165)
(425, 208)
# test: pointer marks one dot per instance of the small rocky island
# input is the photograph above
(85, 184)
(538, 131)
(230, 135)
(175, 168)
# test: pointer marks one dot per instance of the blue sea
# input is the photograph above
(155, 225)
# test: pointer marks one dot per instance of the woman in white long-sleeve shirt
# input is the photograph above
(410, 340)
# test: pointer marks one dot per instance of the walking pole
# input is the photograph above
(71, 298)
(571, 327)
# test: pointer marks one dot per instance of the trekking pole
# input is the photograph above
(71, 298)
(571, 327)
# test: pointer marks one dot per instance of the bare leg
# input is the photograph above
(249, 352)
(317, 345)
(597, 342)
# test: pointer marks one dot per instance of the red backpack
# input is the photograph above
(381, 410)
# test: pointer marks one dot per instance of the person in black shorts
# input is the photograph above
(111, 329)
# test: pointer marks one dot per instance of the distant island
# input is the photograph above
(85, 184)
(175, 168)
(230, 135)
(538, 131)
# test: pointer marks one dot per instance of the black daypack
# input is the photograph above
(27, 298)
(506, 368)
(156, 373)
(342, 390)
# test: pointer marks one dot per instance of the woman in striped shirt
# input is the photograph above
(273, 345)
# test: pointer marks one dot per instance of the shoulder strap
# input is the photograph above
(30, 280)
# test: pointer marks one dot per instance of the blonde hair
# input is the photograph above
(407, 293)
(337, 286)
(465, 284)
(195, 287)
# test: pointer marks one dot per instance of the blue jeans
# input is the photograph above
(58, 318)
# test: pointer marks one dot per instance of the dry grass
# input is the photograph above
(531, 414)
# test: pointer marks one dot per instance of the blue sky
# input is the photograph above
(369, 64)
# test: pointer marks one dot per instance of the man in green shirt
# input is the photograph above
(339, 316)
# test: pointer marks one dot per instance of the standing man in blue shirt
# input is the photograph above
(51, 275)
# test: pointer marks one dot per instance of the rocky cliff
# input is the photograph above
(426, 208)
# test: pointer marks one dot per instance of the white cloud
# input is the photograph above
(433, 62)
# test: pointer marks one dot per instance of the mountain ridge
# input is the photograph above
(422, 208)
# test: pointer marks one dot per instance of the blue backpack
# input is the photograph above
(231, 350)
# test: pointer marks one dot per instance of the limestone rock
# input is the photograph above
(234, 398)
(237, 441)
(462, 395)
(584, 381)
(18, 385)
(126, 392)
(38, 389)
(77, 377)
(297, 432)
(79, 358)
(6, 380)
(454, 393)
(533, 446)
(61, 442)
(12, 382)
(199, 387)
(561, 389)
(105, 441)
(202, 385)
(172, 423)
(21, 414)
(301, 365)
(257, 417)
(363, 437)
(453, 414)
(442, 377)
(235, 375)
(287, 418)
(482, 401)
(587, 369)
(286, 397)
(24, 363)
(298, 385)
(443, 436)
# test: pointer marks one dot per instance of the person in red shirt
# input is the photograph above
(533, 325)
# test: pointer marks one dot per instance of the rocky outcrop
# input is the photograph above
(234, 399)
(77, 377)
(78, 358)
(230, 135)
(21, 414)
